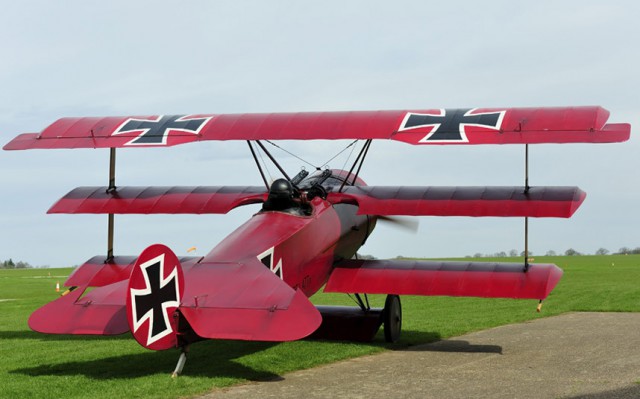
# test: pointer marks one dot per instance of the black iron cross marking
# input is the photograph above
(155, 131)
(151, 303)
(267, 259)
(448, 126)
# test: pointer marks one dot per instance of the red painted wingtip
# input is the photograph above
(554, 276)
(579, 198)
(21, 142)
(617, 132)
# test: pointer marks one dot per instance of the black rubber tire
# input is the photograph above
(392, 318)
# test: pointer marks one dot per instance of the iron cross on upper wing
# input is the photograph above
(155, 130)
(448, 125)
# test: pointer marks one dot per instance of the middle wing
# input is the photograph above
(371, 200)
(463, 201)
(153, 200)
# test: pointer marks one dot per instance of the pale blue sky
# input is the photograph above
(80, 58)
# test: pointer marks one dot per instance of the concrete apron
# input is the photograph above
(575, 355)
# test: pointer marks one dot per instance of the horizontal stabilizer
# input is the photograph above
(100, 312)
(426, 126)
(434, 278)
(462, 201)
(98, 272)
(243, 301)
(246, 302)
(154, 200)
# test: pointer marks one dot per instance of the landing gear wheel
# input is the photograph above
(392, 318)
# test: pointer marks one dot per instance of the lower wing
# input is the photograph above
(431, 278)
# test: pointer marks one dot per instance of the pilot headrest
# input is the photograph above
(281, 188)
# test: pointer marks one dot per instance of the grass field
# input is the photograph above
(44, 366)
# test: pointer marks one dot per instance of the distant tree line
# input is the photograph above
(364, 257)
(10, 264)
(569, 252)
(628, 251)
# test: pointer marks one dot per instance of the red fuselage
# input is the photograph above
(299, 249)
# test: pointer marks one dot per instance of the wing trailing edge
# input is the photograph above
(436, 278)
(463, 201)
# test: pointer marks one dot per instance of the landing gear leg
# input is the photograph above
(392, 318)
(181, 361)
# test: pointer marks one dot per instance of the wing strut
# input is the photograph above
(111, 189)
(286, 176)
(255, 158)
(526, 219)
(366, 151)
(363, 154)
(363, 306)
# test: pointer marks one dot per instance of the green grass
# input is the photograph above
(42, 366)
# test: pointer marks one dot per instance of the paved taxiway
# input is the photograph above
(575, 355)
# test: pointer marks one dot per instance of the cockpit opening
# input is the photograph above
(283, 197)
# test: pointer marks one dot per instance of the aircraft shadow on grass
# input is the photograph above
(208, 359)
(28, 334)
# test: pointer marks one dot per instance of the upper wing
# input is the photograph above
(221, 300)
(488, 280)
(463, 201)
(434, 126)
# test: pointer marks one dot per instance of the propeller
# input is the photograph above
(407, 224)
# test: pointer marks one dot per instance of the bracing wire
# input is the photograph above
(266, 166)
(292, 154)
(350, 145)
(346, 161)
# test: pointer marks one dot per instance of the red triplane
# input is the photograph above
(255, 284)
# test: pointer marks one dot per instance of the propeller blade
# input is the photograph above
(408, 224)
